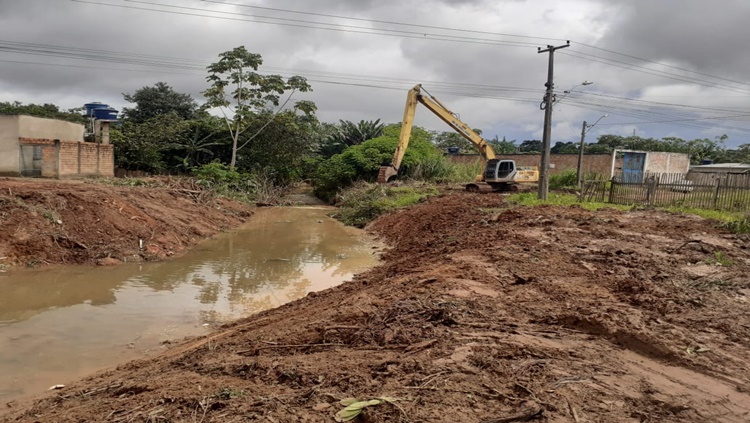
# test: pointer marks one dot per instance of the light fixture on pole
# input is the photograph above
(566, 92)
(584, 130)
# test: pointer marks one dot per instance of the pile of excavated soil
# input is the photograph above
(70, 222)
(477, 314)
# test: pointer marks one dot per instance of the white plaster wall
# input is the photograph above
(9, 149)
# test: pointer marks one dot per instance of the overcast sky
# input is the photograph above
(660, 67)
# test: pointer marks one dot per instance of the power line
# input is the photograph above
(661, 63)
(681, 120)
(649, 71)
(311, 24)
(682, 78)
(383, 21)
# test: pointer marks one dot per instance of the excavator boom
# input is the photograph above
(435, 106)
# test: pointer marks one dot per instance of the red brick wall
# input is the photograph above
(73, 158)
(49, 161)
(106, 160)
(89, 159)
(592, 163)
(68, 158)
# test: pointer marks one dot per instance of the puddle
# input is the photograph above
(63, 323)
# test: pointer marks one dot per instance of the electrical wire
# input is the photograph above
(382, 21)
(311, 24)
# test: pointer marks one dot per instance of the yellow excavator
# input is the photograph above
(498, 175)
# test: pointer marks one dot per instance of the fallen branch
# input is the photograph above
(531, 411)
(572, 411)
(255, 351)
(692, 241)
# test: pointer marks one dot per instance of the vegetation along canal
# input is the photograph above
(60, 324)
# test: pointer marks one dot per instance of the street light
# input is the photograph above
(584, 130)
(547, 104)
(566, 92)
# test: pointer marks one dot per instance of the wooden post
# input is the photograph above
(612, 190)
(716, 192)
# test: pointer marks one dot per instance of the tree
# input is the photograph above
(363, 161)
(159, 100)
(504, 146)
(348, 133)
(46, 110)
(564, 148)
(250, 92)
(282, 149)
(142, 146)
(197, 147)
(447, 139)
(530, 146)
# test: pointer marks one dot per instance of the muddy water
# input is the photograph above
(60, 324)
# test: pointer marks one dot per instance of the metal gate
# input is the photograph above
(31, 160)
(633, 165)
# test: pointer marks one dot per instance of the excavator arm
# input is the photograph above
(435, 106)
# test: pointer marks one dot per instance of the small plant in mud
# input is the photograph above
(49, 215)
(229, 393)
(720, 259)
(740, 226)
(354, 407)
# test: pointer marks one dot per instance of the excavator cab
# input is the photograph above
(499, 171)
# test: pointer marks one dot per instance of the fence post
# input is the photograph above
(612, 189)
(716, 192)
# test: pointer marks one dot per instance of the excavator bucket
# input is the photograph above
(386, 173)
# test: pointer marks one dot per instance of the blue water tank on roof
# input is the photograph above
(107, 114)
(90, 107)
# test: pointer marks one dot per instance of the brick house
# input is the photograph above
(50, 148)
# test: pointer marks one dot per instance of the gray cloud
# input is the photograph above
(693, 34)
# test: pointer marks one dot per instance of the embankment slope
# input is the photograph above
(73, 222)
(477, 314)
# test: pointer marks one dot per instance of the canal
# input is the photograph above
(59, 324)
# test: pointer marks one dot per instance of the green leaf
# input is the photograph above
(348, 401)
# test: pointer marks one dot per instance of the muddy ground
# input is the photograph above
(477, 314)
(70, 222)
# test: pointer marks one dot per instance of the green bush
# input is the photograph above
(363, 161)
(216, 173)
(365, 201)
(566, 179)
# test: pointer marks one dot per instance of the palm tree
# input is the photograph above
(348, 134)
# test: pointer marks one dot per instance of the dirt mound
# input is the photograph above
(53, 222)
(478, 314)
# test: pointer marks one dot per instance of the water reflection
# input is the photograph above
(59, 324)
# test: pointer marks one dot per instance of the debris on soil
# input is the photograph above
(551, 314)
(73, 222)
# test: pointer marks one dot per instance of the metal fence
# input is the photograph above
(717, 191)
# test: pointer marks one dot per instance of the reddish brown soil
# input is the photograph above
(53, 222)
(547, 314)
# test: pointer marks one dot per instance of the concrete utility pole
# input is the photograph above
(579, 174)
(547, 107)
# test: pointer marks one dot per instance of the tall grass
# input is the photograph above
(441, 170)
(365, 201)
(566, 179)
